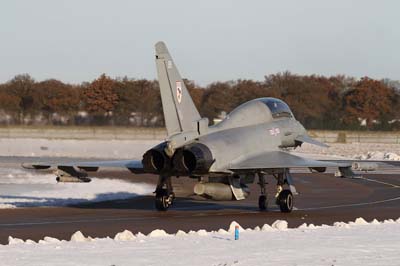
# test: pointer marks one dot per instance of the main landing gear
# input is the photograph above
(164, 193)
(284, 197)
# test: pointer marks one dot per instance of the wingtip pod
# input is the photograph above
(161, 48)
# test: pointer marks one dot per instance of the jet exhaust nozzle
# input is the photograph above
(156, 160)
(193, 159)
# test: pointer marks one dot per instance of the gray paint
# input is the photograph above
(180, 112)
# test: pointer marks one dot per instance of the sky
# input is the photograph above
(76, 41)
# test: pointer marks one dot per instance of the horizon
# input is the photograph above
(201, 85)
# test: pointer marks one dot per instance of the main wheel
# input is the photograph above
(162, 201)
(285, 201)
(262, 203)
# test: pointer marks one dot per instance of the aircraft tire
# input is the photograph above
(262, 202)
(162, 200)
(285, 201)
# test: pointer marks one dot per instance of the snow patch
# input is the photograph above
(140, 235)
(48, 239)
(180, 233)
(280, 225)
(303, 226)
(311, 226)
(378, 155)
(15, 241)
(158, 233)
(232, 227)
(212, 249)
(78, 237)
(360, 221)
(375, 221)
(31, 189)
(223, 232)
(126, 235)
(267, 228)
(202, 232)
(341, 224)
(389, 221)
(87, 148)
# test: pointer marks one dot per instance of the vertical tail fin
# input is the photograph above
(180, 113)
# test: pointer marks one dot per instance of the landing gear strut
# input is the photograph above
(284, 197)
(262, 200)
(164, 193)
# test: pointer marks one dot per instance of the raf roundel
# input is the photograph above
(179, 91)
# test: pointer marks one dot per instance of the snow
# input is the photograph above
(180, 233)
(158, 233)
(78, 237)
(126, 235)
(359, 151)
(49, 239)
(360, 221)
(280, 225)
(354, 243)
(232, 227)
(82, 148)
(267, 228)
(223, 232)
(202, 232)
(377, 155)
(14, 241)
(22, 188)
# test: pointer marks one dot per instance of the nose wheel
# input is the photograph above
(284, 197)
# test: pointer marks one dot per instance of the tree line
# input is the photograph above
(319, 102)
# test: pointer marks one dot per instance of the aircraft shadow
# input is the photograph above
(123, 200)
(180, 204)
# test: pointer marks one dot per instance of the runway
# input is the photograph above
(323, 199)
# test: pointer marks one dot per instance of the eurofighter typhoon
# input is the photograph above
(246, 147)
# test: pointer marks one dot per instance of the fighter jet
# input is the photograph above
(250, 144)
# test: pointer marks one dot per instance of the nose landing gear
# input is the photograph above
(285, 201)
(284, 197)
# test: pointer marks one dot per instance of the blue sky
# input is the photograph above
(76, 41)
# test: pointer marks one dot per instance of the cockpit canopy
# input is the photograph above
(277, 107)
(257, 111)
